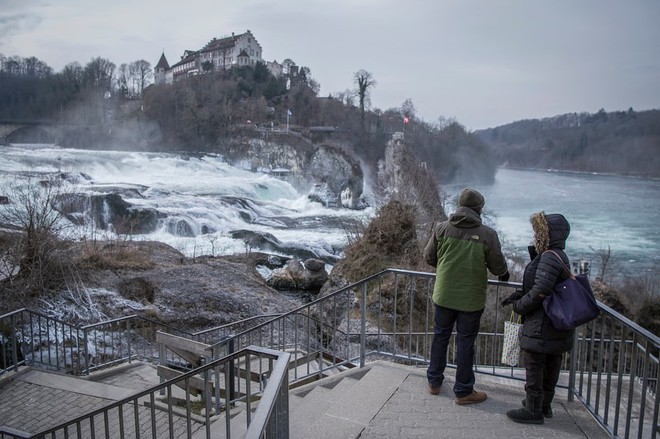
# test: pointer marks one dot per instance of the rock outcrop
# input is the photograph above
(156, 280)
(328, 172)
(109, 212)
(308, 276)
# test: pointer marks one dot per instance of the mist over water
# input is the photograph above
(201, 189)
(604, 211)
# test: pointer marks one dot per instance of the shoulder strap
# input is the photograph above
(570, 273)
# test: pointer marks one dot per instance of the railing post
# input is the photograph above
(363, 325)
(86, 351)
(128, 335)
(231, 389)
(573, 368)
(14, 339)
(162, 360)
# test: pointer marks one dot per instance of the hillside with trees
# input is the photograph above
(113, 108)
(621, 142)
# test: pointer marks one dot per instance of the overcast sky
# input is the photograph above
(483, 62)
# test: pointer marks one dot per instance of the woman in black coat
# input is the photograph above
(541, 343)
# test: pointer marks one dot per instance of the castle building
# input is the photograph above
(217, 54)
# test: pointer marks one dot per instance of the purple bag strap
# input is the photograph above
(570, 274)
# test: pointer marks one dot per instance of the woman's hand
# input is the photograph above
(516, 295)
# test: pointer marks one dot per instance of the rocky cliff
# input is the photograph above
(328, 172)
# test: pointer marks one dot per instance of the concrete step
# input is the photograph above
(345, 409)
(310, 404)
(238, 424)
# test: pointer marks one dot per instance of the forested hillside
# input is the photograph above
(105, 107)
(622, 142)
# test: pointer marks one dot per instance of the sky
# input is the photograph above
(483, 63)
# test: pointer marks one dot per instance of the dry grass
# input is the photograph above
(96, 255)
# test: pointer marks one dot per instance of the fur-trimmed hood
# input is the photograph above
(550, 231)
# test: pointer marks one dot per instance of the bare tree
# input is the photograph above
(141, 74)
(408, 108)
(72, 74)
(364, 81)
(32, 210)
(122, 79)
(604, 257)
(98, 74)
(287, 65)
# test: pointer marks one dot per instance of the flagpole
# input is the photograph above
(288, 114)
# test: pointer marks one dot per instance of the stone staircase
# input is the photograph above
(341, 406)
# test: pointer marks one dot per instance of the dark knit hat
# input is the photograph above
(472, 199)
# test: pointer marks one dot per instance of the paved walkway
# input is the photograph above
(34, 400)
(412, 412)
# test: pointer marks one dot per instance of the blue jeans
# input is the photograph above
(467, 329)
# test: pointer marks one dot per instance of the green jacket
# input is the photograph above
(461, 249)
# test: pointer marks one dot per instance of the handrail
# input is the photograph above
(273, 412)
(614, 363)
(126, 413)
(612, 369)
(81, 349)
(632, 325)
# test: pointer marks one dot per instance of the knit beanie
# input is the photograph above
(472, 199)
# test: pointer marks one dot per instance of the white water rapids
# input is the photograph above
(201, 189)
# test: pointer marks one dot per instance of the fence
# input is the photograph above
(176, 408)
(31, 338)
(612, 369)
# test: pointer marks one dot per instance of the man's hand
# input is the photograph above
(504, 277)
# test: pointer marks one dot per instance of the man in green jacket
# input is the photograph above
(461, 249)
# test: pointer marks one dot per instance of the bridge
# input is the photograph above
(29, 131)
(33, 131)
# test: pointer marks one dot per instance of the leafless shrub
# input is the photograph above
(34, 262)
(640, 290)
(353, 229)
(604, 257)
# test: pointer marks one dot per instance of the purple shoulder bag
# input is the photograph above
(572, 303)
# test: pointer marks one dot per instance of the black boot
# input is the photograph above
(530, 413)
(546, 408)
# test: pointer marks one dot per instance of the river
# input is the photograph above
(605, 212)
(618, 213)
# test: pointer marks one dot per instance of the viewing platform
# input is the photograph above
(382, 400)
(328, 369)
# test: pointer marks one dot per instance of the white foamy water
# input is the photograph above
(201, 189)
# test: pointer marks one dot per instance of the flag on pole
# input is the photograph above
(288, 112)
(406, 119)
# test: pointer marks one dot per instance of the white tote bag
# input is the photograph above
(511, 347)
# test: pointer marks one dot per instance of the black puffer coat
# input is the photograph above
(541, 275)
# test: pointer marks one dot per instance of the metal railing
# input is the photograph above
(258, 409)
(612, 369)
(32, 338)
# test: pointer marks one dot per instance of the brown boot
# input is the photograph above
(472, 398)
